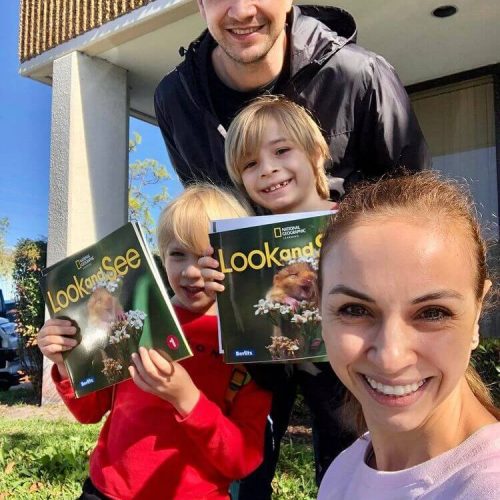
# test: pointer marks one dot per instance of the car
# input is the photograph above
(10, 364)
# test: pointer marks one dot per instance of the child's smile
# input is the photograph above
(277, 186)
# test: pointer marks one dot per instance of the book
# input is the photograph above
(113, 293)
(269, 310)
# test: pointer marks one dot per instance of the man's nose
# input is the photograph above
(242, 9)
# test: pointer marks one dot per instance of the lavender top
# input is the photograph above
(469, 471)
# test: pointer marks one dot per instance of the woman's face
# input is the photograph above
(400, 319)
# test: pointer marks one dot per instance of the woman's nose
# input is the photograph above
(391, 349)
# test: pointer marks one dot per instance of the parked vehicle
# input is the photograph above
(10, 364)
(7, 308)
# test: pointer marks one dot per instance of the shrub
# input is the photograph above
(29, 260)
(486, 360)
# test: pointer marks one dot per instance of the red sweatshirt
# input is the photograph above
(146, 450)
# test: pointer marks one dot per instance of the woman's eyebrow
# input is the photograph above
(439, 294)
(345, 290)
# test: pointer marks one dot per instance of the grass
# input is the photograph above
(43, 459)
(48, 459)
(295, 474)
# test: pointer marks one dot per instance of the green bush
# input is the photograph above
(486, 360)
(29, 260)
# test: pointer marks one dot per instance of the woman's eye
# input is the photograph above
(354, 311)
(434, 314)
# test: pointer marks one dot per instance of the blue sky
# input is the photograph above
(25, 107)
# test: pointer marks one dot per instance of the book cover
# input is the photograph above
(113, 293)
(269, 310)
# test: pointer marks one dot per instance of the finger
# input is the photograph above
(211, 274)
(58, 322)
(208, 251)
(65, 342)
(163, 362)
(145, 366)
(138, 380)
(57, 330)
(213, 287)
(55, 349)
(209, 262)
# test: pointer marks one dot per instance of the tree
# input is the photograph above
(142, 199)
(6, 254)
(29, 260)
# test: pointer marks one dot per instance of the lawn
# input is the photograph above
(47, 459)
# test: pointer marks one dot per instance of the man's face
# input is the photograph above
(246, 30)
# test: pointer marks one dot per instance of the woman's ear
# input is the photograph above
(486, 288)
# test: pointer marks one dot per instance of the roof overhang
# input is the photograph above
(421, 47)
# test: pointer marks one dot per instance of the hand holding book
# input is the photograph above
(156, 373)
(208, 268)
(56, 337)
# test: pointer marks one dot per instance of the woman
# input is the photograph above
(403, 283)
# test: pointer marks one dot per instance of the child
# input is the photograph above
(275, 153)
(172, 431)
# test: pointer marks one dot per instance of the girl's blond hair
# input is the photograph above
(424, 195)
(187, 218)
(244, 137)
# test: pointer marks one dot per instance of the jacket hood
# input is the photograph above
(313, 42)
(316, 33)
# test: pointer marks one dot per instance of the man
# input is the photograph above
(305, 53)
(308, 54)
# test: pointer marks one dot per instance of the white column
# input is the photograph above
(88, 158)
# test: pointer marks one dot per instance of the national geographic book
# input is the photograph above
(269, 310)
(113, 293)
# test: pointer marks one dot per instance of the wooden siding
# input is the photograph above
(44, 24)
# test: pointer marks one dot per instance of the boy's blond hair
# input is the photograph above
(187, 218)
(244, 137)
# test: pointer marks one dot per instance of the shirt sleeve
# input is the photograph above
(233, 444)
(87, 410)
(390, 134)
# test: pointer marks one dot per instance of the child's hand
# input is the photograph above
(158, 374)
(208, 268)
(54, 338)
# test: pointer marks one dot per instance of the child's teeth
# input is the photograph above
(277, 186)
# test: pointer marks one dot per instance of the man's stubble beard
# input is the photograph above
(255, 59)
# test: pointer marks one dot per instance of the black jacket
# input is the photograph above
(359, 101)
